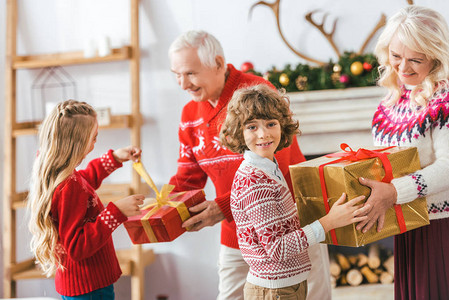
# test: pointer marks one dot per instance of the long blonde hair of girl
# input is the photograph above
(63, 142)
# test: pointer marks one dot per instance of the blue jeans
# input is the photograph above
(106, 293)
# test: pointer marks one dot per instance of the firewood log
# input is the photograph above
(334, 267)
(378, 271)
(343, 280)
(373, 256)
(362, 260)
(385, 277)
(370, 276)
(352, 260)
(354, 277)
(389, 265)
(343, 261)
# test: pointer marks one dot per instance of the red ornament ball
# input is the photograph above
(246, 66)
(344, 78)
(367, 66)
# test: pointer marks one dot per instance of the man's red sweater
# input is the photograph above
(85, 228)
(201, 155)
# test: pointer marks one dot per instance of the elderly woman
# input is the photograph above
(413, 53)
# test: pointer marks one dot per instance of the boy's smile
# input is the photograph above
(262, 136)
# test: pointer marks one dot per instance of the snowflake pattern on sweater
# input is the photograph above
(268, 229)
(424, 127)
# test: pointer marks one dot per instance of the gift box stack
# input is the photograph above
(161, 219)
(340, 173)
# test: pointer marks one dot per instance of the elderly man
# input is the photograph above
(198, 62)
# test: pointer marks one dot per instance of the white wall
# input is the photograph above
(185, 268)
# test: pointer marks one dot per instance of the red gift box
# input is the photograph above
(163, 223)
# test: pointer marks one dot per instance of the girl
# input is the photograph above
(70, 226)
(258, 124)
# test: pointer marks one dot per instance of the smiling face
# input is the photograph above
(203, 83)
(262, 136)
(411, 67)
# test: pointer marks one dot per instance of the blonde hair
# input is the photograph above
(422, 30)
(64, 138)
(257, 102)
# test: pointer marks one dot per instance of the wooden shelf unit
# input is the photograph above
(117, 122)
(69, 58)
(133, 260)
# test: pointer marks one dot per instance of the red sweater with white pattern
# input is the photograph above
(85, 227)
(269, 234)
(427, 128)
(201, 155)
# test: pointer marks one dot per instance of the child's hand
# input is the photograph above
(129, 153)
(129, 206)
(342, 214)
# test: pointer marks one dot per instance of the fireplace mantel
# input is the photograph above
(328, 118)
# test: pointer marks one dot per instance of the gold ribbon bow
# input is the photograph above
(162, 198)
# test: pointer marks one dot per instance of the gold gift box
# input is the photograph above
(343, 177)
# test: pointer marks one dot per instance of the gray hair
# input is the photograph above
(208, 47)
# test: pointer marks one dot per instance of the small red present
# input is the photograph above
(162, 222)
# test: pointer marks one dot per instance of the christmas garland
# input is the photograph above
(352, 70)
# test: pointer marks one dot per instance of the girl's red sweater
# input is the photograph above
(85, 227)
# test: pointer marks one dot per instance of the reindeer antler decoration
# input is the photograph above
(379, 25)
(275, 8)
(328, 35)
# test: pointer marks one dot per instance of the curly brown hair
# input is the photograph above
(257, 102)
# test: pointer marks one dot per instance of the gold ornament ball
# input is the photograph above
(337, 68)
(356, 68)
(284, 80)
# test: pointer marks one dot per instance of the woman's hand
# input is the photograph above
(383, 196)
(129, 153)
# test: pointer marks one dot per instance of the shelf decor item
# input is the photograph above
(51, 86)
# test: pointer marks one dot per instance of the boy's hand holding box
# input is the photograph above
(161, 220)
(340, 173)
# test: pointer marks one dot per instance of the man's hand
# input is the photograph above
(383, 196)
(209, 214)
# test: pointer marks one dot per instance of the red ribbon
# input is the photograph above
(361, 154)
